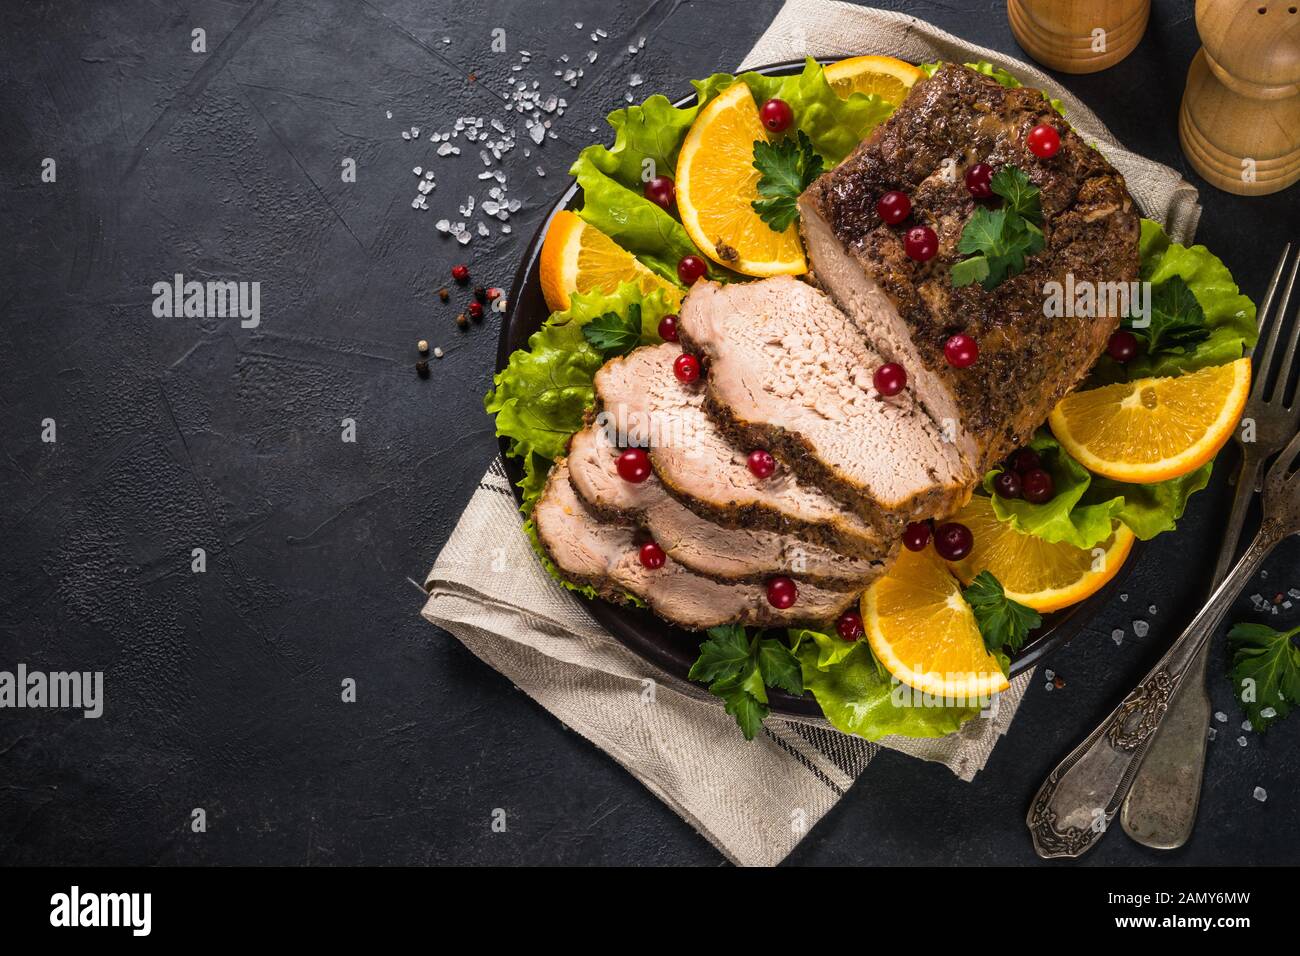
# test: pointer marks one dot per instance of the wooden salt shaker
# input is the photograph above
(1240, 119)
(1078, 36)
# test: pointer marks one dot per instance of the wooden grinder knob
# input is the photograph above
(1078, 36)
(1240, 119)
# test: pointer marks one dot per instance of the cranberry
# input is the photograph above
(961, 351)
(850, 625)
(782, 593)
(893, 207)
(652, 556)
(493, 294)
(890, 379)
(1123, 346)
(916, 536)
(668, 328)
(776, 115)
(633, 465)
(921, 243)
(691, 268)
(1043, 141)
(686, 367)
(761, 463)
(1007, 484)
(953, 541)
(662, 191)
(1037, 487)
(979, 180)
(1026, 459)
(460, 273)
(475, 310)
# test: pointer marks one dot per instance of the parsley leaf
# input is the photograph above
(778, 666)
(612, 334)
(786, 167)
(1265, 671)
(1002, 622)
(739, 670)
(998, 240)
(1177, 319)
(722, 655)
(1022, 196)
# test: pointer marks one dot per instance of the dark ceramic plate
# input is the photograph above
(671, 648)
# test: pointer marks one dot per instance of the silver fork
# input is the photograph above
(1078, 800)
(1160, 811)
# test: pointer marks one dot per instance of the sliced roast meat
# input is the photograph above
(728, 554)
(643, 402)
(790, 372)
(604, 555)
(1028, 360)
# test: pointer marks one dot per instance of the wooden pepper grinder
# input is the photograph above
(1240, 118)
(1078, 36)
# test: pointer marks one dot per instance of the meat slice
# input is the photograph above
(728, 554)
(642, 401)
(789, 372)
(603, 554)
(907, 309)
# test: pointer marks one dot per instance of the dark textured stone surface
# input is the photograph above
(223, 687)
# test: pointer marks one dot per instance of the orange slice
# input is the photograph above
(923, 632)
(1152, 429)
(717, 183)
(1032, 572)
(889, 78)
(577, 257)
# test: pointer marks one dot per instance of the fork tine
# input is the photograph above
(1276, 324)
(1271, 292)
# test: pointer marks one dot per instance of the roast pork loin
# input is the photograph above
(908, 309)
(604, 554)
(728, 554)
(640, 397)
(789, 372)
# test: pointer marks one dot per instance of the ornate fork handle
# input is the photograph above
(1078, 800)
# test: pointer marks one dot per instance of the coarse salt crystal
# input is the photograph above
(1245, 725)
(1260, 794)
(1117, 635)
(437, 353)
(1241, 741)
(1220, 716)
(1140, 628)
(1268, 713)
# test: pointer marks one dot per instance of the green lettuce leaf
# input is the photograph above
(540, 396)
(624, 214)
(858, 697)
(647, 139)
(1228, 315)
(1082, 509)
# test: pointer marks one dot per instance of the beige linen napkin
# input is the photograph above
(754, 801)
